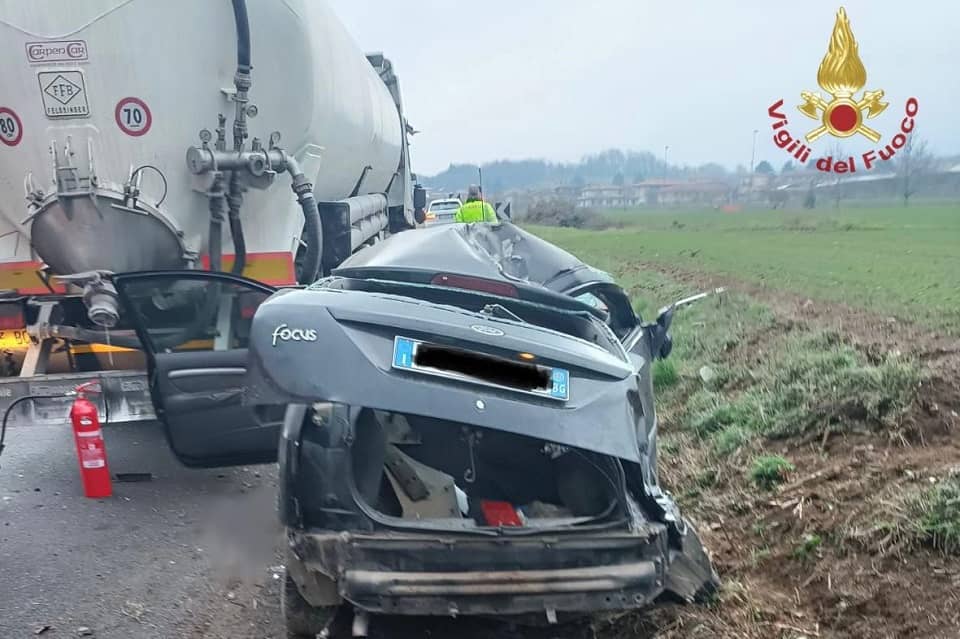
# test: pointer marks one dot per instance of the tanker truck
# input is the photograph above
(252, 138)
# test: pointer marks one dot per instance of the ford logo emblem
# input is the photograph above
(487, 330)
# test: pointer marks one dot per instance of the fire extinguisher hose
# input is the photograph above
(14, 403)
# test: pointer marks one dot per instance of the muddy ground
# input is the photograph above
(857, 581)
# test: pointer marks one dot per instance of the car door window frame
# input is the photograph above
(143, 333)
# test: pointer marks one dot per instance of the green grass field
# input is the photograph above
(748, 408)
(899, 261)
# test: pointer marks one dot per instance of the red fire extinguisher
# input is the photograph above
(91, 451)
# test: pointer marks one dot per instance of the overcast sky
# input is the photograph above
(557, 79)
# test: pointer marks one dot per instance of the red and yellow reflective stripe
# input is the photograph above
(24, 277)
(274, 268)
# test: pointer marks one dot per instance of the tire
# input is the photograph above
(302, 620)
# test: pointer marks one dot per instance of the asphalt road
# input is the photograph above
(188, 554)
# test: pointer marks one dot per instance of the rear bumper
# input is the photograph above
(434, 575)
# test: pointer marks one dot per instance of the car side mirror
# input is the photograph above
(658, 333)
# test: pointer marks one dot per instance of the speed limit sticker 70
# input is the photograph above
(133, 116)
(11, 128)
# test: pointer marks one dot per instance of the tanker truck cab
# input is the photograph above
(462, 418)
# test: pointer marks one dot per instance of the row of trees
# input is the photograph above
(619, 167)
(910, 163)
(610, 166)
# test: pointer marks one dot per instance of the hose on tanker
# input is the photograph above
(243, 35)
(312, 237)
(218, 197)
(312, 229)
(96, 337)
(235, 190)
(241, 79)
(235, 202)
(309, 269)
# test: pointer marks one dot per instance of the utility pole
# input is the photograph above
(753, 157)
(664, 184)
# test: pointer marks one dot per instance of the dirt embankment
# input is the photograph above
(827, 553)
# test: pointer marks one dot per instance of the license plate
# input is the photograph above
(556, 384)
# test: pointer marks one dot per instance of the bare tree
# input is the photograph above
(913, 161)
(810, 199)
(839, 187)
(777, 198)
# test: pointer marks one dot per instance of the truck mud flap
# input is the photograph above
(125, 397)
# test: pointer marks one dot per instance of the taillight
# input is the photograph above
(493, 287)
(11, 317)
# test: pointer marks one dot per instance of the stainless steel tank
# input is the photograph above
(100, 99)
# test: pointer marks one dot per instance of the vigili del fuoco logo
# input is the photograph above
(842, 114)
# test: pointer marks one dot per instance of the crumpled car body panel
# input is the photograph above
(333, 345)
(351, 363)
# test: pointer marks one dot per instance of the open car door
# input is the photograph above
(195, 328)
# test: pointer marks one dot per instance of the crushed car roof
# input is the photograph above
(494, 251)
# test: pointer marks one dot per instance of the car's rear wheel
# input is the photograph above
(303, 620)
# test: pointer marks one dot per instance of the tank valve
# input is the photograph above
(99, 296)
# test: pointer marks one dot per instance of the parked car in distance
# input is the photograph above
(442, 212)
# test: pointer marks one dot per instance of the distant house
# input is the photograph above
(756, 182)
(608, 196)
(653, 192)
(567, 191)
(695, 194)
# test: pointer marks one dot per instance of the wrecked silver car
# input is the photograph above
(470, 431)
(465, 419)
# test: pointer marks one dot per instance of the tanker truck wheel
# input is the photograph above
(301, 619)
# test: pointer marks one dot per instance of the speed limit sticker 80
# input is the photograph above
(133, 116)
(11, 128)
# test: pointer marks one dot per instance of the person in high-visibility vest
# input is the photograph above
(475, 209)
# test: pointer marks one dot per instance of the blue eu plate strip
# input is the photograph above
(560, 388)
(403, 353)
